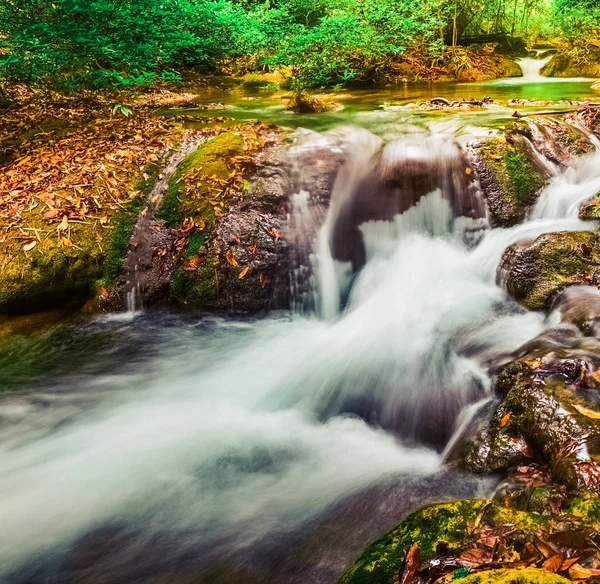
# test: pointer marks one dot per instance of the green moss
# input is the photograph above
(586, 507)
(551, 262)
(446, 523)
(49, 276)
(210, 160)
(590, 210)
(518, 179)
(520, 519)
(514, 576)
(122, 225)
(198, 287)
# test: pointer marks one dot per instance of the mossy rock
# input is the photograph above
(589, 210)
(198, 287)
(574, 63)
(510, 180)
(67, 272)
(533, 272)
(446, 523)
(514, 576)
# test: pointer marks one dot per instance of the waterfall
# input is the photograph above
(532, 67)
(239, 432)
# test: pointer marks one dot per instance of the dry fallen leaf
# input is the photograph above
(468, 170)
(411, 564)
(29, 246)
(243, 272)
(504, 420)
(578, 572)
(587, 413)
(553, 564)
(231, 259)
(262, 280)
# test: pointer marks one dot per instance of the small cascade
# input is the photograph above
(532, 69)
(147, 262)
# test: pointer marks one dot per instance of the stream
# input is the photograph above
(167, 447)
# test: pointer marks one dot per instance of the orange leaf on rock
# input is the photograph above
(411, 564)
(262, 280)
(504, 420)
(243, 272)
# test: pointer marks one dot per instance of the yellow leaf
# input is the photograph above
(588, 413)
(243, 272)
(29, 246)
(66, 241)
(596, 375)
(504, 420)
(231, 259)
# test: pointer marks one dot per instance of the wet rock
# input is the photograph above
(470, 540)
(510, 175)
(231, 204)
(589, 210)
(533, 272)
(587, 118)
(441, 103)
(443, 524)
(305, 103)
(580, 305)
(537, 410)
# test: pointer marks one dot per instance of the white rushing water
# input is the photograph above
(240, 435)
(532, 69)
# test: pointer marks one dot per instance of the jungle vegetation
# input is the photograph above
(100, 43)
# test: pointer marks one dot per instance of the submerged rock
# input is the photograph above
(533, 272)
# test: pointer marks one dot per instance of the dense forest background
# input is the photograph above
(99, 43)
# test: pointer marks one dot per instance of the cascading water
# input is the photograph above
(532, 68)
(241, 432)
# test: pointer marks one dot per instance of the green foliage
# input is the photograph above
(100, 43)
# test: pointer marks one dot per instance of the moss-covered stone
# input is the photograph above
(511, 181)
(121, 227)
(514, 576)
(66, 268)
(589, 210)
(446, 523)
(195, 281)
(534, 272)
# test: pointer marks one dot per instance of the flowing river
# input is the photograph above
(157, 446)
